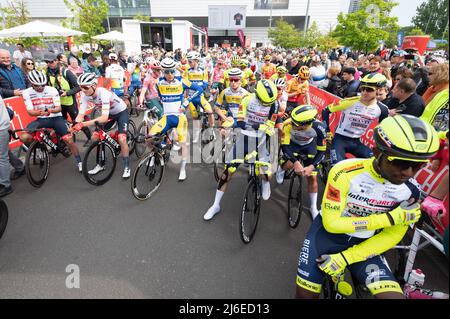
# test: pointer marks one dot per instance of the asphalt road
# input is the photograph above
(160, 248)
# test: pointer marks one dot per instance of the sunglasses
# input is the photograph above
(235, 80)
(30, 63)
(430, 73)
(83, 87)
(368, 89)
(51, 61)
(170, 71)
(38, 86)
(403, 164)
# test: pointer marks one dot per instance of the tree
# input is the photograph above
(284, 35)
(15, 14)
(313, 37)
(432, 17)
(88, 16)
(141, 17)
(365, 28)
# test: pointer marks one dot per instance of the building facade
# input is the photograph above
(354, 6)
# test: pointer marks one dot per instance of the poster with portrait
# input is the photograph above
(271, 4)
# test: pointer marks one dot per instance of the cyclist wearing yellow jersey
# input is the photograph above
(367, 207)
(281, 74)
(268, 69)
(358, 113)
(303, 138)
(256, 119)
(235, 63)
(248, 78)
(297, 87)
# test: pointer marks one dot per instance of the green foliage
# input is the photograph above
(416, 31)
(141, 17)
(432, 17)
(363, 29)
(313, 37)
(15, 14)
(88, 16)
(284, 35)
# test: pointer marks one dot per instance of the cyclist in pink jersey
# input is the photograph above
(149, 94)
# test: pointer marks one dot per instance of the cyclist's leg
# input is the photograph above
(26, 137)
(122, 119)
(59, 125)
(193, 109)
(208, 109)
(359, 150)
(309, 152)
(338, 148)
(180, 122)
(378, 278)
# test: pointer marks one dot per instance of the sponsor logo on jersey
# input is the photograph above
(373, 201)
(333, 194)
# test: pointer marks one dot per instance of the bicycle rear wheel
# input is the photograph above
(295, 202)
(37, 164)
(250, 211)
(131, 136)
(3, 217)
(147, 176)
(99, 163)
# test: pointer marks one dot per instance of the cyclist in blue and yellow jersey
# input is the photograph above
(228, 101)
(248, 78)
(171, 93)
(256, 119)
(235, 61)
(281, 74)
(303, 138)
(137, 72)
(199, 76)
(367, 207)
(358, 113)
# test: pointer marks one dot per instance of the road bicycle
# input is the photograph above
(150, 118)
(227, 145)
(104, 153)
(3, 217)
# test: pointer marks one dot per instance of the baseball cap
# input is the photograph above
(49, 57)
(349, 70)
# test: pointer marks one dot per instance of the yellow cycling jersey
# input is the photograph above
(230, 100)
(277, 76)
(355, 202)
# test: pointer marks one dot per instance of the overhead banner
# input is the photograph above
(226, 17)
(271, 4)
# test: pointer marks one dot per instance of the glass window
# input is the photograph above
(113, 3)
(127, 3)
(142, 4)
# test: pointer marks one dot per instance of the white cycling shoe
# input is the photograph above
(280, 176)
(97, 169)
(182, 175)
(176, 147)
(126, 172)
(265, 190)
(80, 167)
(212, 211)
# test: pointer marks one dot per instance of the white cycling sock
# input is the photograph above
(218, 198)
(313, 201)
(183, 165)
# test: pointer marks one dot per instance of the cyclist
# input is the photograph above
(363, 196)
(113, 107)
(282, 96)
(256, 118)
(235, 62)
(303, 139)
(268, 69)
(171, 92)
(281, 74)
(199, 76)
(136, 70)
(228, 101)
(297, 87)
(149, 94)
(248, 78)
(216, 81)
(115, 76)
(44, 102)
(358, 113)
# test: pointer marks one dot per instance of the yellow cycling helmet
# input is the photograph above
(235, 60)
(267, 58)
(244, 62)
(303, 73)
(266, 92)
(281, 69)
(374, 80)
(406, 137)
(303, 114)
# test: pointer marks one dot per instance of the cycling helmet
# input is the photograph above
(149, 60)
(267, 58)
(193, 55)
(37, 78)
(112, 56)
(303, 73)
(168, 63)
(235, 73)
(235, 60)
(155, 64)
(87, 79)
(266, 92)
(244, 62)
(280, 83)
(303, 114)
(137, 59)
(281, 69)
(406, 137)
(374, 80)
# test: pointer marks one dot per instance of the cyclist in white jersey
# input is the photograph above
(113, 107)
(44, 103)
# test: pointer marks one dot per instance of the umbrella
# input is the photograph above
(110, 36)
(38, 28)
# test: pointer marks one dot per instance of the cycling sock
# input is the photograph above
(183, 165)
(218, 198)
(313, 201)
(78, 158)
(126, 162)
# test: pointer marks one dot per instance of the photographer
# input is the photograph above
(415, 63)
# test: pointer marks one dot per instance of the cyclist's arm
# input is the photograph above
(218, 105)
(242, 113)
(193, 86)
(56, 100)
(326, 117)
(105, 97)
(286, 141)
(384, 111)
(321, 142)
(334, 202)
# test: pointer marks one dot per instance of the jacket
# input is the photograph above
(7, 86)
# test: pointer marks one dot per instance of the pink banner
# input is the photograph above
(241, 36)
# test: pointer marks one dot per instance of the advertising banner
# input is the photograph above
(241, 36)
(416, 42)
(222, 17)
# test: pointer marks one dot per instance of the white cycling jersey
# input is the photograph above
(108, 101)
(47, 99)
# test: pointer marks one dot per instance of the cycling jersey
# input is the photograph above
(356, 117)
(436, 112)
(198, 76)
(47, 99)
(230, 100)
(150, 84)
(172, 93)
(218, 74)
(283, 98)
(117, 74)
(108, 101)
(268, 70)
(277, 76)
(295, 86)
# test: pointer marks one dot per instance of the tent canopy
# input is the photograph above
(38, 28)
(110, 36)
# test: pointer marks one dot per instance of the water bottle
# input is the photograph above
(416, 278)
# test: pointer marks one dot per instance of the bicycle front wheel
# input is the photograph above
(147, 176)
(37, 164)
(295, 203)
(250, 211)
(99, 163)
(141, 146)
(3, 217)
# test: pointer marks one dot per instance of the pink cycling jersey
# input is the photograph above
(218, 74)
(150, 84)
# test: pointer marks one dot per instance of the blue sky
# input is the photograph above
(405, 11)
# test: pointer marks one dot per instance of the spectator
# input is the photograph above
(74, 67)
(406, 100)
(12, 78)
(105, 63)
(374, 65)
(74, 54)
(295, 66)
(342, 59)
(5, 182)
(383, 95)
(351, 85)
(325, 61)
(62, 60)
(85, 54)
(27, 65)
(334, 81)
(123, 59)
(438, 75)
(20, 54)
(318, 72)
(90, 65)
(398, 61)
(387, 73)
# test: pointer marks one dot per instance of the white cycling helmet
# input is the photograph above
(112, 56)
(87, 79)
(280, 83)
(37, 77)
(168, 63)
(193, 55)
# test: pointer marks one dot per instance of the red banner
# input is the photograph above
(241, 36)
(206, 37)
(416, 42)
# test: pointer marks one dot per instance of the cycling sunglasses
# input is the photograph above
(405, 164)
(169, 71)
(83, 87)
(235, 80)
(367, 88)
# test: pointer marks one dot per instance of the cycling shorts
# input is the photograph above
(172, 121)
(343, 144)
(119, 92)
(57, 123)
(199, 102)
(122, 119)
(304, 153)
(374, 273)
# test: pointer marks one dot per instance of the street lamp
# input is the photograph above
(306, 20)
